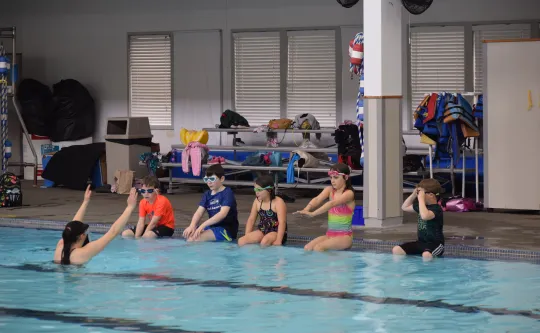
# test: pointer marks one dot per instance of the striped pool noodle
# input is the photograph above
(359, 39)
(4, 110)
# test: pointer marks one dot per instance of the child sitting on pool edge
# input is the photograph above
(220, 203)
(430, 242)
(156, 214)
(340, 208)
(272, 212)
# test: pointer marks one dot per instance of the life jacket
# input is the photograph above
(478, 108)
(447, 120)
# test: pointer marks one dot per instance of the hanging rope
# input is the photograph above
(6, 145)
(356, 67)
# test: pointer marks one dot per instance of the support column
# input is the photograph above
(383, 170)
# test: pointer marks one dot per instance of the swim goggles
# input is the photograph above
(260, 189)
(142, 191)
(333, 173)
(209, 179)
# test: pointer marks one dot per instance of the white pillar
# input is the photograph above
(383, 171)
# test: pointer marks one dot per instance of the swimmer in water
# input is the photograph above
(75, 247)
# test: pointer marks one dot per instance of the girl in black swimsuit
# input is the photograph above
(272, 213)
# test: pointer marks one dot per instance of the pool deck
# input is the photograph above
(501, 235)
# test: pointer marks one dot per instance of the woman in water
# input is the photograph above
(75, 247)
(340, 208)
(272, 212)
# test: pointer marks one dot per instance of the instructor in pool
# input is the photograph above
(75, 247)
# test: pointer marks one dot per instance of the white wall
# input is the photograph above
(87, 40)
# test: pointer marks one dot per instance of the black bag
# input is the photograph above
(230, 118)
(347, 138)
(413, 163)
(36, 102)
(10, 190)
(74, 111)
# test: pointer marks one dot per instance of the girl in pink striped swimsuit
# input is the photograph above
(340, 208)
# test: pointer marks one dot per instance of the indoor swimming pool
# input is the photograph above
(172, 286)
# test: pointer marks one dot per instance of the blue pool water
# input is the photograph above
(173, 286)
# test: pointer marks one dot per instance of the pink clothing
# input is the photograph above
(333, 233)
(193, 151)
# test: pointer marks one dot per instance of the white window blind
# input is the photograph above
(437, 61)
(257, 77)
(311, 75)
(487, 32)
(150, 79)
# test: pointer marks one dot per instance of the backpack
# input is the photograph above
(10, 190)
(230, 118)
(347, 138)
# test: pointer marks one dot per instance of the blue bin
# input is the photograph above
(45, 160)
(358, 216)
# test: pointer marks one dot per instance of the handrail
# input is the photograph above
(14, 99)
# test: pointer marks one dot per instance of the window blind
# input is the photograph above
(257, 76)
(311, 75)
(487, 32)
(437, 61)
(150, 79)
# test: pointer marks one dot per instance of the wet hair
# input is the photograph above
(70, 235)
(215, 170)
(150, 182)
(343, 168)
(265, 181)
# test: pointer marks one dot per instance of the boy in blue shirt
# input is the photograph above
(220, 203)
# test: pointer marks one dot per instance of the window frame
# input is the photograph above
(233, 61)
(407, 106)
(492, 28)
(444, 29)
(128, 44)
(284, 63)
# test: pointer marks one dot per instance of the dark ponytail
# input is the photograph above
(68, 238)
(266, 181)
(71, 233)
(344, 168)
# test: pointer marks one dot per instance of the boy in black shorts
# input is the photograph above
(430, 241)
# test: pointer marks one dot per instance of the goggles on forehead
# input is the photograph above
(260, 189)
(334, 173)
(209, 179)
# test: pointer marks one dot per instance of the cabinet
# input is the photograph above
(511, 125)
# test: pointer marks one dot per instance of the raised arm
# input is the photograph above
(408, 203)
(79, 216)
(87, 252)
(346, 197)
(424, 212)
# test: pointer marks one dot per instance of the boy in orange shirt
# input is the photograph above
(156, 215)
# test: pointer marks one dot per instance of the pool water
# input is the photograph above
(172, 286)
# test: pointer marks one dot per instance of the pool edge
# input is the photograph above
(457, 251)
